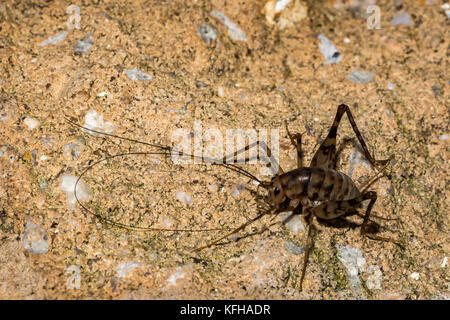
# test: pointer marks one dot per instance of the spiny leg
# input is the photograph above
(308, 246)
(372, 195)
(326, 155)
(241, 227)
(297, 142)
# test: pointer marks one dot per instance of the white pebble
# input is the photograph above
(74, 280)
(443, 137)
(68, 186)
(137, 75)
(172, 280)
(184, 197)
(237, 189)
(101, 94)
(31, 123)
(444, 262)
(360, 76)
(445, 6)
(415, 275)
(354, 261)
(233, 29)
(328, 50)
(390, 86)
(374, 280)
(294, 224)
(43, 157)
(123, 269)
(316, 119)
(57, 38)
(95, 121)
(220, 92)
(347, 40)
(35, 239)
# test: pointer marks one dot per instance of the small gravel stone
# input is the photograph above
(402, 19)
(415, 275)
(84, 45)
(390, 86)
(183, 197)
(74, 280)
(137, 75)
(233, 29)
(207, 32)
(95, 121)
(57, 38)
(294, 248)
(360, 76)
(68, 186)
(374, 280)
(443, 137)
(354, 261)
(123, 269)
(35, 239)
(74, 148)
(31, 123)
(328, 50)
(238, 189)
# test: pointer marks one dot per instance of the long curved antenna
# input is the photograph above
(118, 224)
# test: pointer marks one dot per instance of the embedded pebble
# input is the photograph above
(443, 137)
(436, 90)
(354, 262)
(84, 45)
(35, 239)
(207, 32)
(172, 280)
(294, 224)
(57, 38)
(402, 19)
(43, 184)
(123, 269)
(137, 75)
(328, 50)
(74, 280)
(294, 248)
(95, 121)
(212, 187)
(68, 186)
(233, 29)
(220, 92)
(74, 148)
(355, 159)
(415, 275)
(237, 189)
(374, 280)
(390, 86)
(31, 123)
(360, 76)
(288, 12)
(183, 197)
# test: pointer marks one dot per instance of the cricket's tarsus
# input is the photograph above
(317, 191)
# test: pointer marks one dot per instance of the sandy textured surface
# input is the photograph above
(49, 251)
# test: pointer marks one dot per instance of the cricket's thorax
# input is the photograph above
(317, 184)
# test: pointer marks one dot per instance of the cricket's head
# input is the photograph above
(276, 191)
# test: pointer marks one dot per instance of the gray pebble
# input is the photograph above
(402, 19)
(136, 74)
(84, 45)
(234, 31)
(57, 38)
(207, 32)
(294, 248)
(328, 50)
(35, 239)
(360, 76)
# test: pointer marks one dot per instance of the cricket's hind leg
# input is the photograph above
(326, 154)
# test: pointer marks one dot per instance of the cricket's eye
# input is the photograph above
(276, 191)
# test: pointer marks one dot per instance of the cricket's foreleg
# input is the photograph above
(297, 142)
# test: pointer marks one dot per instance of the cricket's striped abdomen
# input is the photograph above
(318, 184)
